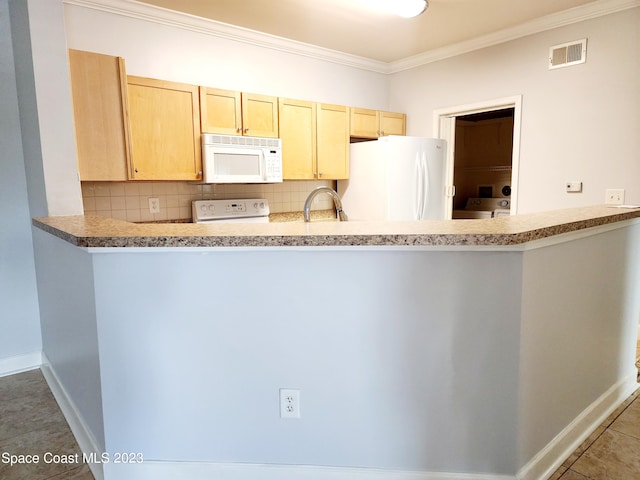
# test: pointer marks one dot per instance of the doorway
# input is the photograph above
(483, 151)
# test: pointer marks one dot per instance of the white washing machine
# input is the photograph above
(484, 208)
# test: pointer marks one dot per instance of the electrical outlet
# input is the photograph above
(614, 196)
(289, 403)
(154, 205)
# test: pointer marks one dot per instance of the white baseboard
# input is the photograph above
(20, 363)
(81, 432)
(550, 458)
(539, 467)
(238, 471)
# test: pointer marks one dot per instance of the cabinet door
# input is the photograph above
(392, 123)
(298, 134)
(164, 118)
(220, 111)
(333, 141)
(259, 115)
(364, 123)
(98, 88)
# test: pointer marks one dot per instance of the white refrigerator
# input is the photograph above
(396, 178)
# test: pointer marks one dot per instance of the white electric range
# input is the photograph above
(241, 210)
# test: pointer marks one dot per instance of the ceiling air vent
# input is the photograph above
(567, 54)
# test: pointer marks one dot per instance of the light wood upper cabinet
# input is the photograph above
(98, 88)
(259, 115)
(164, 120)
(367, 123)
(332, 141)
(233, 113)
(315, 140)
(220, 111)
(364, 123)
(298, 134)
(392, 123)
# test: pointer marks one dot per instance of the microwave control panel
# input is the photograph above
(273, 162)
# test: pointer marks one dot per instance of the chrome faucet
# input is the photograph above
(336, 200)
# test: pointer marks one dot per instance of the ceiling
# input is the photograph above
(345, 26)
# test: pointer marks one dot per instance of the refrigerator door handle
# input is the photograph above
(419, 186)
(425, 187)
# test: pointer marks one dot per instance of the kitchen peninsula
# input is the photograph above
(487, 349)
(90, 231)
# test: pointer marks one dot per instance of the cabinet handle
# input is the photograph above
(238, 129)
(246, 130)
(135, 170)
(200, 173)
(382, 133)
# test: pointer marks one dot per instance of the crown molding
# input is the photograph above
(574, 15)
(150, 13)
(205, 26)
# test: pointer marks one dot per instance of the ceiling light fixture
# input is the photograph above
(402, 8)
(409, 8)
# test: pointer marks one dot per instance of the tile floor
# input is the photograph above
(32, 424)
(612, 451)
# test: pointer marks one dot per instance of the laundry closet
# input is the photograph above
(483, 164)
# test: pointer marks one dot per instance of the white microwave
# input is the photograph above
(237, 159)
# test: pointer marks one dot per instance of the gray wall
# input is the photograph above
(19, 321)
(404, 359)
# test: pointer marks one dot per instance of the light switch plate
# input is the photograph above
(574, 187)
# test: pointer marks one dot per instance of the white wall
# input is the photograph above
(158, 50)
(44, 98)
(578, 123)
(19, 315)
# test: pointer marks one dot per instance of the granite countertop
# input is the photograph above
(93, 231)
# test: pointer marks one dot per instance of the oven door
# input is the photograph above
(234, 165)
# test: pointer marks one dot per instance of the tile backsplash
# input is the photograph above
(130, 200)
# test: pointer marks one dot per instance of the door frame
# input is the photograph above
(444, 127)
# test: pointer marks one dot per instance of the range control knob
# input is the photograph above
(504, 203)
